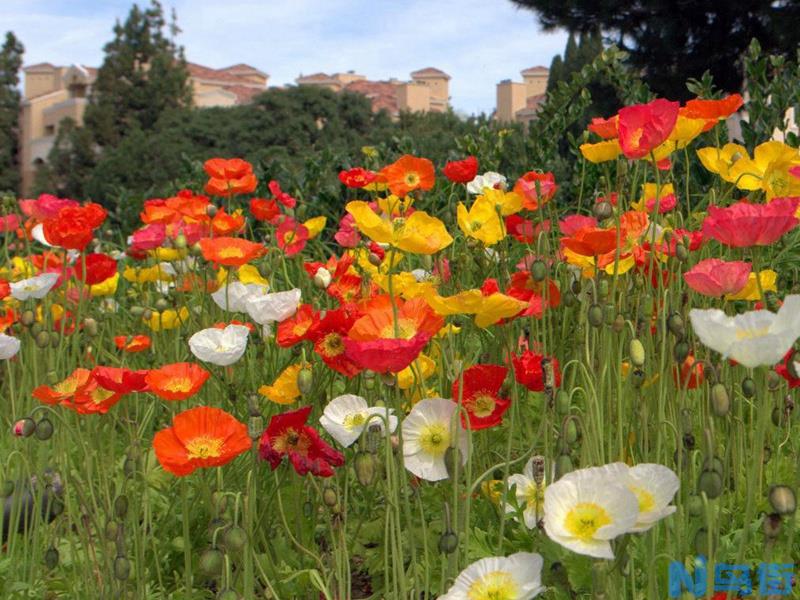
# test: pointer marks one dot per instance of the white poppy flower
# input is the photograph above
(585, 511)
(755, 338)
(530, 495)
(516, 577)
(34, 287)
(428, 430)
(272, 308)
(322, 278)
(221, 347)
(345, 418)
(37, 233)
(489, 179)
(9, 346)
(234, 296)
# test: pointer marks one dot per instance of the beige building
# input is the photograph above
(428, 90)
(517, 102)
(52, 93)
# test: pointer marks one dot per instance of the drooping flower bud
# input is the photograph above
(24, 427)
(122, 568)
(783, 499)
(636, 349)
(366, 467)
(720, 401)
(211, 561)
(305, 381)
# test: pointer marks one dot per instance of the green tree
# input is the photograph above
(143, 75)
(556, 73)
(670, 41)
(10, 64)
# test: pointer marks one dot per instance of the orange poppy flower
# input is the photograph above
(93, 398)
(177, 381)
(134, 343)
(230, 251)
(712, 110)
(591, 241)
(64, 390)
(224, 224)
(409, 173)
(200, 437)
(229, 177)
(605, 128)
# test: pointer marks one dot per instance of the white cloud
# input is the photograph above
(477, 42)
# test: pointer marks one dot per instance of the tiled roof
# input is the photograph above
(430, 72)
(216, 75)
(242, 68)
(314, 77)
(534, 101)
(535, 70)
(244, 94)
(382, 94)
(39, 67)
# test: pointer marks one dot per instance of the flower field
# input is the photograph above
(454, 385)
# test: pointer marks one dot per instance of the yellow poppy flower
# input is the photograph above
(481, 222)
(507, 203)
(419, 233)
(284, 390)
(168, 319)
(467, 302)
(720, 160)
(315, 226)
(447, 330)
(649, 191)
(21, 268)
(685, 131)
(405, 284)
(105, 288)
(168, 254)
(146, 274)
(423, 366)
(601, 151)
(488, 310)
(768, 170)
(768, 279)
(497, 307)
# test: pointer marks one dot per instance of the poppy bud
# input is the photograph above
(619, 324)
(305, 381)
(24, 427)
(219, 501)
(701, 543)
(636, 349)
(570, 432)
(538, 270)
(322, 278)
(90, 326)
(389, 379)
(562, 403)
(211, 210)
(51, 557)
(602, 210)
(111, 531)
(777, 417)
(609, 314)
(772, 526)
(676, 325)
(576, 286)
(694, 505)
(365, 466)
(329, 496)
(55, 339)
(374, 259)
(44, 429)
(235, 538)
(681, 253)
(136, 311)
(369, 384)
(211, 561)
(602, 288)
(773, 381)
(563, 465)
(720, 401)
(42, 339)
(637, 378)
(448, 542)
(595, 315)
(27, 318)
(782, 499)
(569, 299)
(710, 483)
(255, 426)
(147, 314)
(308, 509)
(688, 441)
(162, 304)
(748, 387)
(121, 506)
(453, 461)
(122, 568)
(680, 351)
(7, 489)
(180, 241)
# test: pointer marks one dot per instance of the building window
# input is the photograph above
(49, 129)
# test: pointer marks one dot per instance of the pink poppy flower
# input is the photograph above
(742, 225)
(45, 206)
(347, 236)
(149, 237)
(571, 224)
(642, 127)
(715, 277)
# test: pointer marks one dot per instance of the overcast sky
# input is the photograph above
(478, 42)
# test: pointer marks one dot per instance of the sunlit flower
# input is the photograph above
(767, 279)
(409, 173)
(643, 127)
(418, 233)
(529, 494)
(34, 287)
(287, 435)
(482, 222)
(235, 296)
(63, 391)
(167, 319)
(315, 226)
(536, 189)
(200, 437)
(742, 225)
(516, 577)
(177, 381)
(221, 347)
(712, 111)
(490, 179)
(229, 176)
(601, 151)
(479, 396)
(585, 511)
(768, 170)
(428, 431)
(345, 418)
(284, 389)
(461, 171)
(9, 346)
(720, 160)
(134, 343)
(273, 307)
(754, 338)
(229, 251)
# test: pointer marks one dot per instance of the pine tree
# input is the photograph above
(556, 72)
(10, 64)
(571, 58)
(143, 75)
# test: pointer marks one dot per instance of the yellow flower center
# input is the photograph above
(179, 384)
(435, 439)
(646, 500)
(481, 405)
(497, 585)
(406, 329)
(411, 180)
(354, 420)
(288, 238)
(636, 137)
(749, 334)
(585, 519)
(231, 252)
(204, 447)
(332, 345)
(291, 441)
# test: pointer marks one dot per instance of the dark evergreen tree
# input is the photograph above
(143, 75)
(673, 40)
(571, 57)
(556, 73)
(10, 64)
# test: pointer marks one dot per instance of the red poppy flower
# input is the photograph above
(482, 383)
(524, 287)
(571, 224)
(288, 435)
(529, 370)
(291, 236)
(357, 177)
(264, 210)
(605, 128)
(642, 127)
(280, 195)
(742, 225)
(5, 289)
(329, 341)
(461, 171)
(298, 327)
(9, 223)
(229, 177)
(409, 173)
(690, 373)
(712, 110)
(99, 267)
(177, 381)
(74, 226)
(229, 251)
(524, 230)
(591, 241)
(534, 186)
(134, 343)
(346, 289)
(92, 398)
(120, 379)
(200, 437)
(64, 390)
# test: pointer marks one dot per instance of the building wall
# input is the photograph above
(413, 97)
(535, 84)
(511, 97)
(439, 86)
